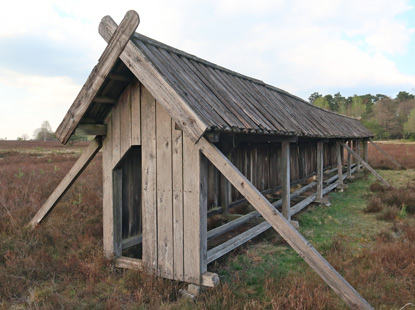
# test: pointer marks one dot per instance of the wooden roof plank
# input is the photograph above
(98, 75)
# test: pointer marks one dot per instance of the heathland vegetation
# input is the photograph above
(385, 117)
(367, 234)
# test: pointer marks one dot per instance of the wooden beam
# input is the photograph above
(153, 80)
(104, 100)
(91, 130)
(349, 161)
(67, 181)
(285, 172)
(132, 241)
(129, 263)
(367, 166)
(359, 164)
(340, 164)
(320, 165)
(213, 136)
(365, 151)
(115, 47)
(385, 153)
(350, 296)
(235, 242)
(250, 138)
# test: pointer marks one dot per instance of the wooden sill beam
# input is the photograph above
(129, 263)
(340, 286)
(116, 45)
(67, 181)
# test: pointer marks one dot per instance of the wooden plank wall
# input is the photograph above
(121, 135)
(260, 164)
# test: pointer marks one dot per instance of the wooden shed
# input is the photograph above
(182, 139)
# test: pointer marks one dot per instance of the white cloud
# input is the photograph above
(28, 100)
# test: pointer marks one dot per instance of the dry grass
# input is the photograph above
(61, 266)
(404, 153)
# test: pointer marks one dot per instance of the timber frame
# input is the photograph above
(183, 139)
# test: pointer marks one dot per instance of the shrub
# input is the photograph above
(374, 206)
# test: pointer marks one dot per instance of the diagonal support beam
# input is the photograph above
(67, 181)
(98, 75)
(156, 84)
(366, 165)
(385, 153)
(350, 296)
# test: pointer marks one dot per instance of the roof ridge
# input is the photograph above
(169, 48)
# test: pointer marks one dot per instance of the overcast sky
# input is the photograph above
(49, 47)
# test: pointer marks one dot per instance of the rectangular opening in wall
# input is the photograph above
(127, 204)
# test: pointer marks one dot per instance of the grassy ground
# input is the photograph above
(60, 265)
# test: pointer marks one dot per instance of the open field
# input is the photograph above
(367, 234)
(403, 152)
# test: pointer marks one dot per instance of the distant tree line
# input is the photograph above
(45, 133)
(385, 117)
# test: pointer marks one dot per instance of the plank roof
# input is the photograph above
(199, 95)
(227, 101)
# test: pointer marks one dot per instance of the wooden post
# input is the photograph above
(283, 227)
(67, 181)
(320, 166)
(285, 173)
(359, 164)
(340, 165)
(349, 161)
(365, 151)
(385, 153)
(367, 166)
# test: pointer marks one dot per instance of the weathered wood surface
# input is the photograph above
(284, 228)
(384, 153)
(129, 263)
(164, 193)
(366, 165)
(116, 45)
(233, 243)
(339, 164)
(194, 192)
(135, 113)
(177, 174)
(67, 181)
(320, 165)
(149, 177)
(285, 168)
(107, 195)
(349, 160)
(147, 74)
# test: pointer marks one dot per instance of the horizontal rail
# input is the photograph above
(228, 246)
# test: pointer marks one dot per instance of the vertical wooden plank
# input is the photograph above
(107, 200)
(116, 135)
(320, 165)
(149, 170)
(194, 212)
(117, 210)
(124, 104)
(358, 142)
(164, 193)
(136, 113)
(339, 165)
(285, 171)
(177, 177)
(349, 161)
(365, 151)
